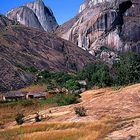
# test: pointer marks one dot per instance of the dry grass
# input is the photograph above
(60, 131)
(35, 88)
(8, 112)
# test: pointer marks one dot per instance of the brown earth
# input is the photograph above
(122, 104)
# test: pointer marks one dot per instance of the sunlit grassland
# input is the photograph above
(60, 131)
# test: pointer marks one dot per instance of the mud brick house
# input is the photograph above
(14, 96)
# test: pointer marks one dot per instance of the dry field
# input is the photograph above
(60, 131)
(110, 114)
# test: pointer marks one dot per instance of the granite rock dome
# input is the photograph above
(34, 14)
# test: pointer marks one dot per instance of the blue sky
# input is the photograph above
(63, 9)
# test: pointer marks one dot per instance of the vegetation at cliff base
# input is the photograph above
(124, 71)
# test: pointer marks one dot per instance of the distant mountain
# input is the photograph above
(25, 47)
(105, 27)
(34, 14)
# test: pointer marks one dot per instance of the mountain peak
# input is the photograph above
(39, 2)
(34, 14)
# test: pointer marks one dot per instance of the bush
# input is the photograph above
(19, 118)
(72, 85)
(60, 99)
(67, 99)
(80, 111)
(37, 118)
(32, 69)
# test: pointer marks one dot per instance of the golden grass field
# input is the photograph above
(8, 112)
(60, 131)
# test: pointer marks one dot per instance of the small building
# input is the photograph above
(14, 96)
(33, 95)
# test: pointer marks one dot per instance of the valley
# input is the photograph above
(75, 81)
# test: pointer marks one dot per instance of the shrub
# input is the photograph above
(65, 99)
(32, 69)
(72, 85)
(60, 99)
(37, 118)
(80, 111)
(19, 118)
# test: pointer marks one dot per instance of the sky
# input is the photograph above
(62, 9)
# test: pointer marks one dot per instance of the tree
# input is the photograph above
(127, 69)
(96, 74)
(101, 76)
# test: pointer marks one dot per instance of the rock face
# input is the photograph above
(34, 14)
(104, 27)
(24, 47)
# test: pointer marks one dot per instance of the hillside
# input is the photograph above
(111, 114)
(23, 48)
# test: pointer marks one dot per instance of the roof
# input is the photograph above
(14, 94)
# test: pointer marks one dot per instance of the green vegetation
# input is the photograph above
(53, 78)
(72, 85)
(26, 103)
(125, 71)
(61, 99)
(56, 99)
(96, 75)
(19, 118)
(31, 69)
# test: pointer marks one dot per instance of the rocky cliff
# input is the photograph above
(34, 14)
(105, 27)
(23, 47)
